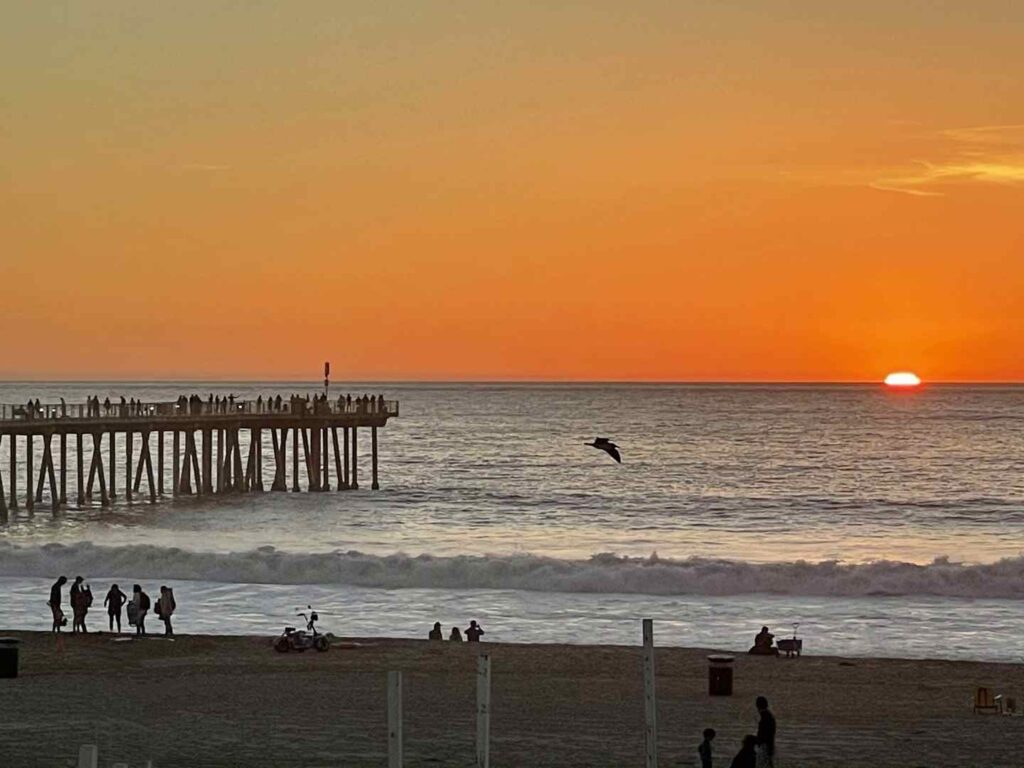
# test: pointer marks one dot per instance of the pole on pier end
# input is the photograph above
(14, 472)
(160, 462)
(394, 720)
(295, 459)
(79, 467)
(113, 461)
(650, 700)
(175, 464)
(30, 501)
(355, 459)
(373, 443)
(483, 710)
(63, 468)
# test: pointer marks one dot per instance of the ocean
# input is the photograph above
(883, 523)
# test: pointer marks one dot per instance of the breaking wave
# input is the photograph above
(601, 573)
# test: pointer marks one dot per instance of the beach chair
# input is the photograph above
(984, 701)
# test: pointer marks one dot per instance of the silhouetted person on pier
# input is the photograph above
(747, 756)
(278, 401)
(114, 601)
(54, 603)
(455, 636)
(106, 406)
(474, 632)
(436, 633)
(765, 734)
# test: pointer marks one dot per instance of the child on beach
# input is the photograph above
(114, 601)
(704, 750)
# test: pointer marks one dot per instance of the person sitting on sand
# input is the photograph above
(763, 644)
(747, 756)
(455, 636)
(54, 603)
(473, 632)
(436, 633)
(114, 601)
(704, 750)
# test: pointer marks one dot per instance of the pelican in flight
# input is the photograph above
(606, 445)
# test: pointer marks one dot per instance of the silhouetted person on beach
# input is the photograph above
(473, 632)
(141, 605)
(455, 636)
(114, 601)
(164, 609)
(763, 644)
(54, 603)
(765, 734)
(75, 598)
(704, 750)
(436, 633)
(747, 756)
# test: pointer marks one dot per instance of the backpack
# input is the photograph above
(144, 603)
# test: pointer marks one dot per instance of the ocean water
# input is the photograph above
(877, 520)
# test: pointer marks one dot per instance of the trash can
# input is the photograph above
(8, 657)
(720, 675)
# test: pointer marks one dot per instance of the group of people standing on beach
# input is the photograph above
(137, 606)
(756, 750)
(473, 633)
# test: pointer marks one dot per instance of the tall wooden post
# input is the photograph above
(325, 474)
(3, 496)
(30, 502)
(63, 468)
(394, 720)
(208, 460)
(257, 437)
(355, 459)
(373, 442)
(79, 466)
(483, 710)
(112, 492)
(346, 482)
(650, 700)
(337, 459)
(129, 439)
(313, 458)
(295, 459)
(175, 464)
(14, 472)
(160, 462)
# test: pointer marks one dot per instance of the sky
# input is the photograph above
(691, 190)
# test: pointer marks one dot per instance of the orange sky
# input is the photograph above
(673, 190)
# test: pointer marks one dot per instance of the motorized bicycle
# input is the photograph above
(293, 639)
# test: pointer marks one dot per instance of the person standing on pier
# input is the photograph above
(54, 603)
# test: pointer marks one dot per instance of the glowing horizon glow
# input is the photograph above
(902, 379)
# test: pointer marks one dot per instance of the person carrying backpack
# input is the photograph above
(142, 604)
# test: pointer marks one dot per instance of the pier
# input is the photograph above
(189, 447)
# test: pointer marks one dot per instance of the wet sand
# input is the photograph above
(232, 701)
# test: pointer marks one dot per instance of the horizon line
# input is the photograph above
(538, 381)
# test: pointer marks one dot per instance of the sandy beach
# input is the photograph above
(227, 701)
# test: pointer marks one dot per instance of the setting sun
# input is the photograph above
(902, 379)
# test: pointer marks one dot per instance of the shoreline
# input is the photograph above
(219, 700)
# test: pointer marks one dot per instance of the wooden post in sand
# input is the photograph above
(650, 700)
(394, 720)
(483, 710)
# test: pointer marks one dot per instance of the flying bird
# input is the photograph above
(606, 445)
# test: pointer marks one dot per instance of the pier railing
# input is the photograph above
(185, 408)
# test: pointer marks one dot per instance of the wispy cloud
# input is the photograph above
(989, 154)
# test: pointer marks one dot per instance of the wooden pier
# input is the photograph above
(212, 448)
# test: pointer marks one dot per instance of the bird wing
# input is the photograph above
(613, 451)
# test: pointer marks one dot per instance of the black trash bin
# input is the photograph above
(8, 657)
(720, 675)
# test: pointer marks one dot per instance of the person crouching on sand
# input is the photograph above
(114, 601)
(165, 606)
(141, 602)
(436, 633)
(455, 636)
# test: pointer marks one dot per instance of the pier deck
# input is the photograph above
(205, 454)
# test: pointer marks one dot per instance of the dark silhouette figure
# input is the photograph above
(114, 601)
(763, 644)
(436, 633)
(473, 632)
(704, 750)
(54, 603)
(140, 607)
(765, 734)
(455, 636)
(747, 756)
(78, 595)
(606, 445)
(164, 609)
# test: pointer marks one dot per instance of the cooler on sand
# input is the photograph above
(8, 657)
(720, 675)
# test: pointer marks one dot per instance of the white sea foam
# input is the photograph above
(602, 573)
